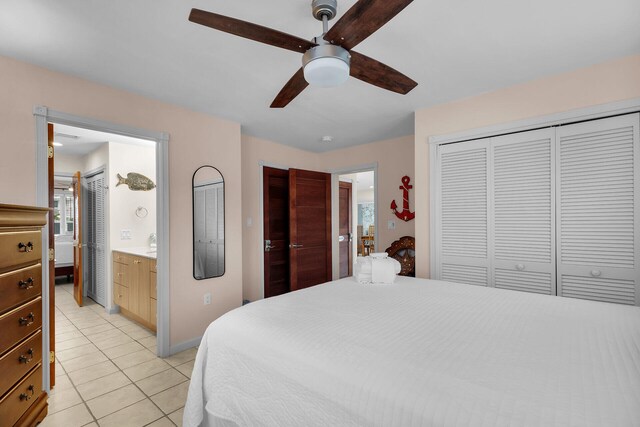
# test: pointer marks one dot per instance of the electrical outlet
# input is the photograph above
(391, 225)
(249, 222)
(207, 299)
(125, 234)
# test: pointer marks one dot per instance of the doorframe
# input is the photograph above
(43, 116)
(335, 212)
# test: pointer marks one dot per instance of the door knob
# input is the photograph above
(520, 267)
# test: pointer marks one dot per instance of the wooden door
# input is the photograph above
(52, 263)
(77, 239)
(276, 231)
(309, 228)
(345, 229)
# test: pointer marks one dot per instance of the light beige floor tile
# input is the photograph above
(91, 373)
(143, 333)
(100, 329)
(186, 368)
(91, 424)
(182, 357)
(161, 381)
(123, 349)
(75, 416)
(172, 399)
(72, 343)
(131, 327)
(72, 353)
(139, 414)
(62, 382)
(148, 342)
(81, 362)
(146, 369)
(103, 385)
(113, 342)
(133, 359)
(59, 369)
(63, 329)
(65, 336)
(113, 332)
(153, 349)
(115, 400)
(162, 422)
(176, 417)
(63, 399)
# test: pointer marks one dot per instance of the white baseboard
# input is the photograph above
(184, 345)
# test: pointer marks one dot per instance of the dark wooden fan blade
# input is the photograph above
(250, 31)
(294, 86)
(378, 74)
(362, 20)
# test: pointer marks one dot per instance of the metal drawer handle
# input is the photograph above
(294, 246)
(25, 396)
(25, 359)
(596, 273)
(25, 248)
(26, 284)
(26, 321)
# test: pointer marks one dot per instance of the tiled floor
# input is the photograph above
(107, 372)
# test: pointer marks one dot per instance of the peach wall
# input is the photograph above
(195, 139)
(394, 158)
(599, 84)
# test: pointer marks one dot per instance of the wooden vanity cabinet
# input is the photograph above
(134, 287)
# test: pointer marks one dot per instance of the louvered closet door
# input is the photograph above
(598, 219)
(523, 208)
(463, 212)
(100, 241)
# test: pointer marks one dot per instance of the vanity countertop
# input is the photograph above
(143, 251)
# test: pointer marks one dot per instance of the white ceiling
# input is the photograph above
(80, 142)
(453, 49)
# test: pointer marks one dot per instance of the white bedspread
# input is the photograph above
(418, 353)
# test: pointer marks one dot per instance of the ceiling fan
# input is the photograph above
(328, 59)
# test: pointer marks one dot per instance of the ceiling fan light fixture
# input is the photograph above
(326, 65)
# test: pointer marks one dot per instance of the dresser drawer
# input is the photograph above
(15, 364)
(19, 247)
(121, 274)
(20, 323)
(19, 286)
(21, 397)
(121, 296)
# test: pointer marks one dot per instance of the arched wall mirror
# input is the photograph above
(208, 223)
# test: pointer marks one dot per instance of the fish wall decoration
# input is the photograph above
(136, 182)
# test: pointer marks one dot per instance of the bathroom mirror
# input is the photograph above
(208, 223)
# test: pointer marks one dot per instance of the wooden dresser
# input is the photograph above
(22, 399)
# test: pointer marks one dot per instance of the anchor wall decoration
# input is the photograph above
(406, 214)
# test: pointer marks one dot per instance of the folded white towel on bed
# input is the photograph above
(384, 270)
(376, 269)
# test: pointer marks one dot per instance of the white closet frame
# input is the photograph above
(596, 112)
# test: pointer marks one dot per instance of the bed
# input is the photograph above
(418, 353)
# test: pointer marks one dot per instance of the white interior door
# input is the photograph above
(598, 215)
(523, 211)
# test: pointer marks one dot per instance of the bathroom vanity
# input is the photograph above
(134, 285)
